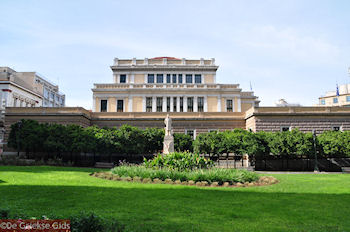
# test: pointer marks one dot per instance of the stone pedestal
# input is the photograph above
(245, 160)
(168, 144)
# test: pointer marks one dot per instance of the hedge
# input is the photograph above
(56, 138)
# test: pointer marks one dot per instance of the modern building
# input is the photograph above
(168, 84)
(28, 89)
(332, 98)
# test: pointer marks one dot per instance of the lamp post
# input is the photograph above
(18, 137)
(316, 169)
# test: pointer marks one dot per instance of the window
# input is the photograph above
(159, 78)
(200, 104)
(103, 107)
(188, 78)
(335, 100)
(174, 78)
(46, 93)
(159, 104)
(168, 78)
(175, 104)
(348, 98)
(336, 128)
(180, 78)
(323, 102)
(148, 104)
(120, 106)
(285, 128)
(191, 133)
(122, 78)
(198, 78)
(229, 105)
(15, 102)
(150, 78)
(190, 104)
(52, 96)
(181, 104)
(168, 104)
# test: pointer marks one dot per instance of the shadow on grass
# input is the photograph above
(43, 169)
(186, 209)
(1, 181)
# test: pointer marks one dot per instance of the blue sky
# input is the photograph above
(296, 50)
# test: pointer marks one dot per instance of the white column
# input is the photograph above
(233, 105)
(154, 104)
(164, 104)
(177, 104)
(146, 75)
(132, 78)
(93, 103)
(171, 104)
(195, 104)
(143, 104)
(185, 104)
(219, 103)
(239, 104)
(205, 104)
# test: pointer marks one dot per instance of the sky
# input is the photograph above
(295, 50)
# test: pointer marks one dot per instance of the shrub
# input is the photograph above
(179, 161)
(183, 142)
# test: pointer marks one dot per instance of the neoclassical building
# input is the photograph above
(168, 84)
(28, 89)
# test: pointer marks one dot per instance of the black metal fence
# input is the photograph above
(302, 163)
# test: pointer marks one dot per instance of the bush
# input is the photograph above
(335, 143)
(179, 161)
(183, 142)
(210, 175)
(54, 139)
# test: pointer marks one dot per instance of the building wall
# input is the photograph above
(212, 104)
(137, 104)
(112, 104)
(209, 78)
(305, 118)
(139, 78)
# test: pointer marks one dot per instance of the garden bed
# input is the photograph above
(209, 177)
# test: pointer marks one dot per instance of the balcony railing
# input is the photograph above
(167, 85)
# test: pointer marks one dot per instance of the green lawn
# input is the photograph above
(298, 203)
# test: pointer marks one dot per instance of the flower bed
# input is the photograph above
(244, 182)
(210, 175)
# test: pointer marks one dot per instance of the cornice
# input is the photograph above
(165, 68)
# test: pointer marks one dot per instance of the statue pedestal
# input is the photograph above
(168, 144)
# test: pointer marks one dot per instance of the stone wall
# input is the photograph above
(304, 118)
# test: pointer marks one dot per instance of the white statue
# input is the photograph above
(168, 144)
(168, 127)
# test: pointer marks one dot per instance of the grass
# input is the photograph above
(300, 202)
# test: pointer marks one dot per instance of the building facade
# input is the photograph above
(28, 89)
(167, 84)
(332, 98)
(306, 119)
